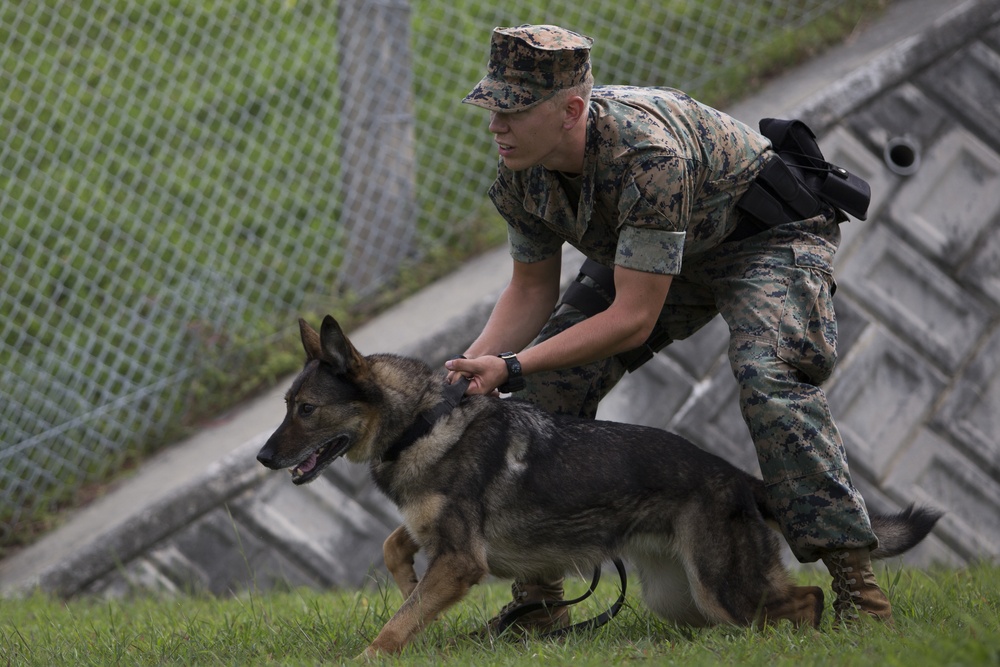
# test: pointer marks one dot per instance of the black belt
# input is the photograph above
(774, 198)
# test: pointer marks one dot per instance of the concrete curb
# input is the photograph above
(221, 481)
(945, 34)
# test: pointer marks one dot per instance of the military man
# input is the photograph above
(647, 183)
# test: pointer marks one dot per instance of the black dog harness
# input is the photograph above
(425, 421)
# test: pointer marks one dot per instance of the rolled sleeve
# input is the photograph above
(650, 250)
(654, 209)
(531, 248)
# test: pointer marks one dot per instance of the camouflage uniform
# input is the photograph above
(662, 174)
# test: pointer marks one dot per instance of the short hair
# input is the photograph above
(582, 90)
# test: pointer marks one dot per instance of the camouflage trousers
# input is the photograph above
(774, 291)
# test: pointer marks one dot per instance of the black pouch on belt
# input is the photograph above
(796, 144)
(777, 196)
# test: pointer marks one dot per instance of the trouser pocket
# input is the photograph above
(807, 331)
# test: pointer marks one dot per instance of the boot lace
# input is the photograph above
(845, 580)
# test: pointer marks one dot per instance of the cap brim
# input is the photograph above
(496, 95)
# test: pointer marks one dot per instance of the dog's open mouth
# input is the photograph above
(319, 459)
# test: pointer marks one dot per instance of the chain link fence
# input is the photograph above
(179, 180)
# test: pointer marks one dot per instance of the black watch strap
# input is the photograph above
(515, 381)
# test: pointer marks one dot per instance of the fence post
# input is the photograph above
(376, 127)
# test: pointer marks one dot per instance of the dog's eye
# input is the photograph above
(306, 409)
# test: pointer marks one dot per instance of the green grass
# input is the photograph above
(943, 617)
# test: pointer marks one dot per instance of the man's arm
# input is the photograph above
(521, 311)
(625, 325)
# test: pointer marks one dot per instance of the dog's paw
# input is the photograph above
(370, 654)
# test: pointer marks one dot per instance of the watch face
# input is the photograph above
(513, 365)
(514, 380)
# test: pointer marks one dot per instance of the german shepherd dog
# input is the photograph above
(498, 486)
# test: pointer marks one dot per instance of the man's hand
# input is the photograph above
(485, 373)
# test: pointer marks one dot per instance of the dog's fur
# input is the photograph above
(501, 487)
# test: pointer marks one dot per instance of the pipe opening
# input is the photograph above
(902, 156)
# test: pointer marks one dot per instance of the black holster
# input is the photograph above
(798, 184)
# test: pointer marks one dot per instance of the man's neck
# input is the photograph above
(569, 160)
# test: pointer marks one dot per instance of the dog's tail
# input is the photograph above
(902, 531)
(897, 533)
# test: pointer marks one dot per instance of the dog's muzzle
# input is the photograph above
(311, 465)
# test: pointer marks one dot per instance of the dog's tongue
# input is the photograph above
(308, 464)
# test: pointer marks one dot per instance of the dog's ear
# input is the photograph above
(337, 350)
(310, 341)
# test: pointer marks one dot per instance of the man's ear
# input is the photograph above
(575, 109)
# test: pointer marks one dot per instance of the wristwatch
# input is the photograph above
(515, 381)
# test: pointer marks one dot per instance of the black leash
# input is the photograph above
(511, 616)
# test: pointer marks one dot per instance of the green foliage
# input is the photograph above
(942, 617)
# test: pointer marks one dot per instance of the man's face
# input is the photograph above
(528, 138)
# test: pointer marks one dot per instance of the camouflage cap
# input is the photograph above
(529, 64)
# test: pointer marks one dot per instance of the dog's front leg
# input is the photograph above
(447, 580)
(398, 551)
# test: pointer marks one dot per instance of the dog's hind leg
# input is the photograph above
(398, 551)
(735, 571)
(446, 581)
(664, 586)
(801, 605)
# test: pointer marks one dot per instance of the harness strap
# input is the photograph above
(451, 397)
(586, 298)
(511, 616)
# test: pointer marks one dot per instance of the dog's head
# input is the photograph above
(327, 411)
